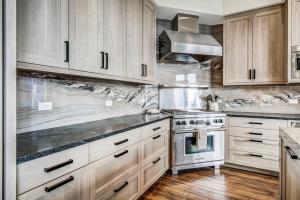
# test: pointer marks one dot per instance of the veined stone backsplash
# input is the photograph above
(76, 101)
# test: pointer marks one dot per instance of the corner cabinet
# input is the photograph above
(254, 43)
(112, 38)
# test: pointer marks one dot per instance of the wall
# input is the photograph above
(76, 100)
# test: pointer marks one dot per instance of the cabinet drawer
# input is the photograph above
(263, 134)
(265, 147)
(37, 172)
(153, 146)
(125, 161)
(102, 148)
(153, 171)
(272, 124)
(152, 129)
(252, 160)
(127, 187)
(71, 186)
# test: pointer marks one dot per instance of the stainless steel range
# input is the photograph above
(185, 154)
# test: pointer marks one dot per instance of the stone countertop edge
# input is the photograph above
(263, 115)
(32, 156)
(291, 135)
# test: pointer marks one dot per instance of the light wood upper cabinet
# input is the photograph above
(295, 20)
(254, 47)
(268, 37)
(84, 27)
(238, 49)
(149, 40)
(42, 29)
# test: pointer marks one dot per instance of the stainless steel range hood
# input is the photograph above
(184, 44)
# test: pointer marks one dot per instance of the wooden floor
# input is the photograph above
(202, 184)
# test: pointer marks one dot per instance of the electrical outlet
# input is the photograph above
(293, 101)
(43, 106)
(108, 103)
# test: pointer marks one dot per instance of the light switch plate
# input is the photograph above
(293, 101)
(108, 103)
(43, 106)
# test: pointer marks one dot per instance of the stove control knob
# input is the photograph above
(178, 123)
(192, 122)
(215, 121)
(183, 122)
(220, 120)
(207, 123)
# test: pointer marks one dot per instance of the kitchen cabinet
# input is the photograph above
(254, 44)
(42, 32)
(149, 41)
(295, 22)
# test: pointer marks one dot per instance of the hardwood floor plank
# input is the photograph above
(231, 184)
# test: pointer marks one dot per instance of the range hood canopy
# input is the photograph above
(184, 45)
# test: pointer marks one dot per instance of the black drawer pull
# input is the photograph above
(106, 66)
(255, 155)
(121, 154)
(102, 58)
(256, 123)
(156, 161)
(251, 133)
(121, 142)
(254, 73)
(155, 129)
(250, 74)
(57, 185)
(156, 137)
(120, 188)
(50, 169)
(67, 46)
(258, 141)
(291, 153)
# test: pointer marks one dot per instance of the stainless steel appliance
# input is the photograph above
(185, 154)
(295, 72)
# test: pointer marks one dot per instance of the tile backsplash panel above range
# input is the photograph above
(76, 101)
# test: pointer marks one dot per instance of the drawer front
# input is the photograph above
(101, 148)
(69, 187)
(37, 172)
(127, 187)
(154, 146)
(152, 129)
(257, 161)
(254, 133)
(265, 147)
(125, 161)
(272, 124)
(153, 171)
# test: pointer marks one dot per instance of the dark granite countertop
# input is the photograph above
(264, 115)
(36, 144)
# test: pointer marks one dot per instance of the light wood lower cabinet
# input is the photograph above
(73, 186)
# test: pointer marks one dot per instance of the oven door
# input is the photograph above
(184, 149)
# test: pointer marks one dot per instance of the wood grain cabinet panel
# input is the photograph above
(238, 50)
(295, 22)
(42, 29)
(268, 64)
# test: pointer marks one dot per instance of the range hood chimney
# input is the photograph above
(184, 44)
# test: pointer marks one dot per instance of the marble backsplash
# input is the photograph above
(75, 101)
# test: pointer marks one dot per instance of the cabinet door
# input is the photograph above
(42, 28)
(114, 37)
(84, 24)
(292, 180)
(295, 22)
(74, 186)
(149, 40)
(238, 50)
(134, 38)
(268, 39)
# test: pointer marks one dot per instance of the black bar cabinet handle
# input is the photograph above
(250, 74)
(121, 142)
(120, 188)
(252, 133)
(146, 70)
(106, 56)
(156, 129)
(143, 70)
(257, 123)
(156, 137)
(258, 141)
(254, 73)
(156, 161)
(55, 167)
(291, 153)
(102, 57)
(57, 185)
(121, 154)
(67, 46)
(255, 155)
